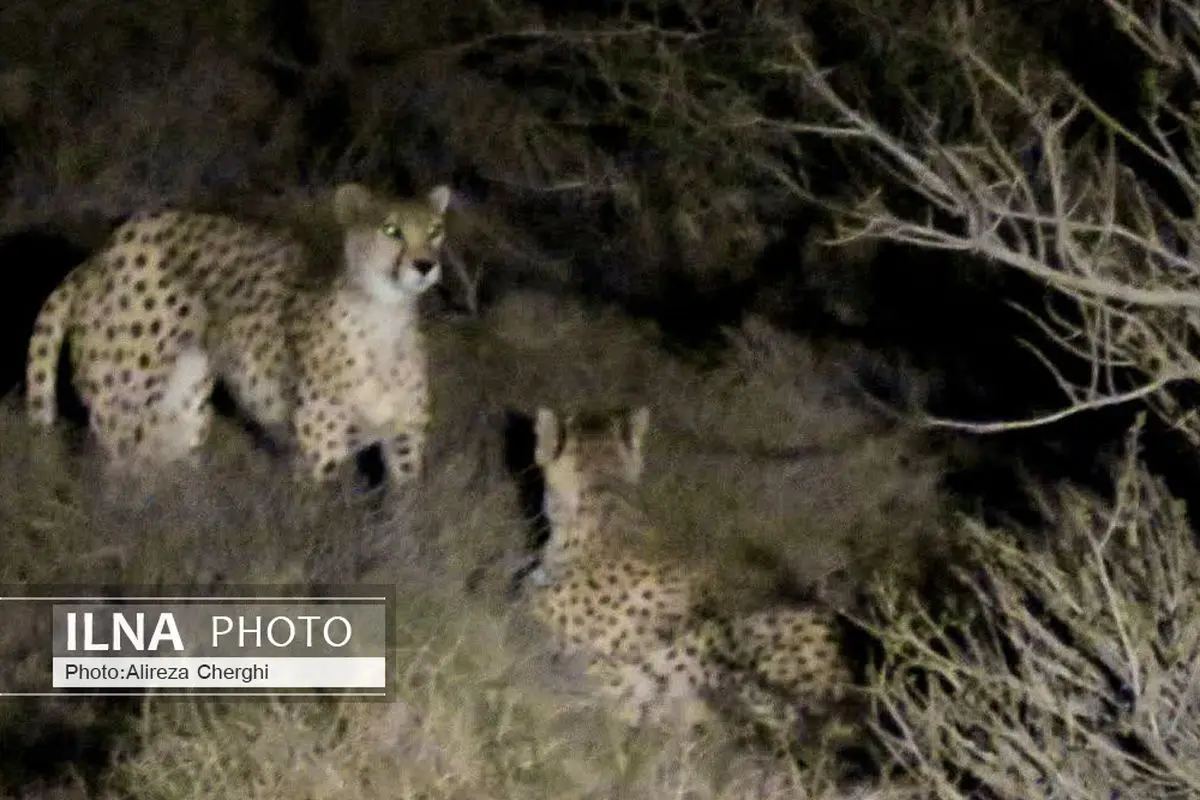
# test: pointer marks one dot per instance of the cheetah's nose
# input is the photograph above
(424, 265)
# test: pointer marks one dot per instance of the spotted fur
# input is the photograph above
(145, 381)
(330, 367)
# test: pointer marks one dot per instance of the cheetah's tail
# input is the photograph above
(190, 382)
(45, 346)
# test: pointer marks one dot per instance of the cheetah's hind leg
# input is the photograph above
(179, 422)
(189, 396)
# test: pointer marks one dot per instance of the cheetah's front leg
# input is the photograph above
(404, 454)
(325, 437)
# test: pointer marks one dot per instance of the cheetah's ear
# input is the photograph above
(547, 433)
(634, 427)
(439, 198)
(352, 202)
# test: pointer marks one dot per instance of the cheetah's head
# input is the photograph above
(580, 450)
(393, 246)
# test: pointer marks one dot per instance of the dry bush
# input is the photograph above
(1038, 179)
(681, 129)
(788, 466)
(647, 131)
(137, 107)
(140, 107)
(765, 462)
(1067, 667)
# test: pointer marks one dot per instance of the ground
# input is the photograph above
(762, 462)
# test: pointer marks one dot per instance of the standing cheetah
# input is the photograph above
(642, 626)
(362, 369)
(330, 367)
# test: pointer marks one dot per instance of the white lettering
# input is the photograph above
(128, 631)
(136, 638)
(166, 629)
(345, 624)
(242, 630)
(281, 631)
(308, 629)
(291, 631)
(217, 634)
(89, 634)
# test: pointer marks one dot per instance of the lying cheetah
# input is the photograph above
(331, 368)
(146, 383)
(641, 624)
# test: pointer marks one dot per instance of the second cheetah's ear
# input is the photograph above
(636, 423)
(547, 431)
(439, 198)
(351, 202)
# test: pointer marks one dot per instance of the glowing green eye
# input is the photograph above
(392, 231)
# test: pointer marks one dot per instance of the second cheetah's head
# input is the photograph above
(392, 245)
(582, 449)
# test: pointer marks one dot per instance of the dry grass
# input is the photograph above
(481, 713)
(1067, 668)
